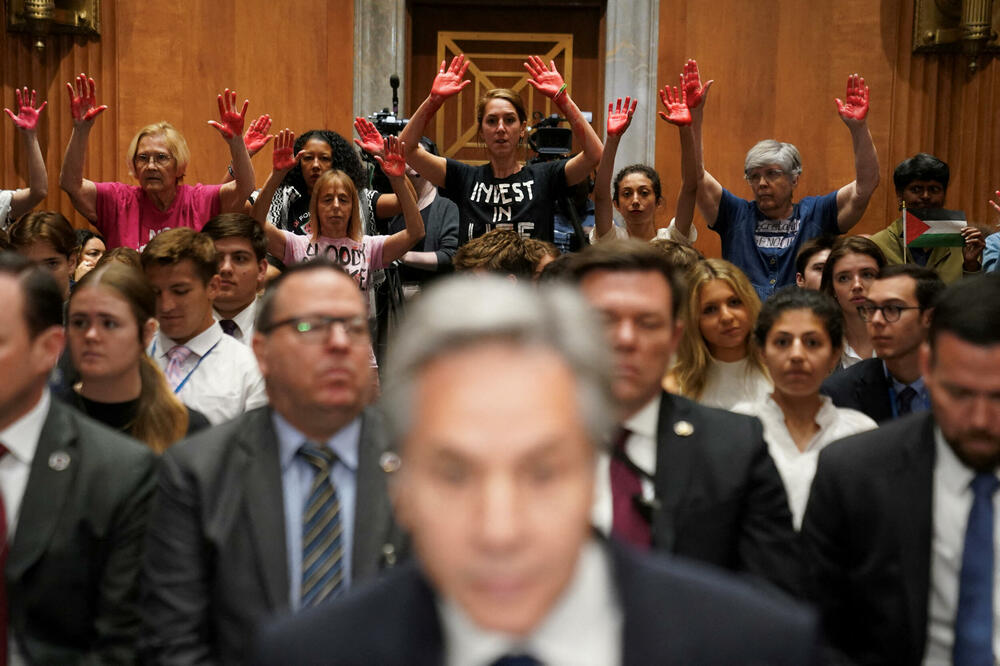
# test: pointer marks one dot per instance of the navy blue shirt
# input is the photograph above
(765, 249)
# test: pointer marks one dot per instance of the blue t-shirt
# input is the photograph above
(765, 249)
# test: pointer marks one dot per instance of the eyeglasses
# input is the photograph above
(160, 159)
(316, 328)
(770, 176)
(889, 312)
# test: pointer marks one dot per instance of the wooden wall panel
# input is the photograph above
(157, 61)
(778, 68)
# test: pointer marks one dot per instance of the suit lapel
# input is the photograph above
(264, 503)
(674, 461)
(53, 469)
(873, 389)
(372, 512)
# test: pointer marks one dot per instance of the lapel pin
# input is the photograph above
(58, 461)
(389, 462)
(683, 428)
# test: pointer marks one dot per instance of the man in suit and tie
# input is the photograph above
(241, 250)
(74, 498)
(682, 478)
(900, 527)
(499, 399)
(898, 316)
(286, 506)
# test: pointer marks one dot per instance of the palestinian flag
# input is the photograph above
(933, 227)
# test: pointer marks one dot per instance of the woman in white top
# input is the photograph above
(851, 267)
(801, 333)
(717, 362)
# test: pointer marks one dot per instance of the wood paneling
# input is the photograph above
(777, 69)
(158, 61)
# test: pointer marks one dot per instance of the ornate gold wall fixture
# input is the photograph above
(969, 26)
(40, 18)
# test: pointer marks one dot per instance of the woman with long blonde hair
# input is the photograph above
(717, 362)
(109, 325)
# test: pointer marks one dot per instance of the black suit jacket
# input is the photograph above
(863, 387)
(720, 498)
(216, 560)
(867, 541)
(675, 612)
(72, 569)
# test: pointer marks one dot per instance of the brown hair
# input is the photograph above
(505, 94)
(844, 246)
(500, 251)
(173, 246)
(238, 225)
(336, 177)
(161, 419)
(44, 225)
(682, 256)
(121, 255)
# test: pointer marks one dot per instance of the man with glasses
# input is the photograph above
(286, 506)
(897, 315)
(763, 236)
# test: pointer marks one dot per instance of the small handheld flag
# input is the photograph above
(933, 227)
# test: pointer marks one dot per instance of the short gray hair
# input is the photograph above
(465, 311)
(770, 151)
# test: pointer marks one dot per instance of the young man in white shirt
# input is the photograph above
(207, 369)
(241, 250)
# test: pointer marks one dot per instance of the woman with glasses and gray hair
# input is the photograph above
(129, 215)
(763, 235)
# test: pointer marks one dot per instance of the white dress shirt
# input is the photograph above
(951, 505)
(21, 439)
(730, 383)
(584, 628)
(244, 321)
(670, 232)
(221, 377)
(798, 467)
(641, 450)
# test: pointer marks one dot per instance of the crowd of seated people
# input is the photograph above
(210, 452)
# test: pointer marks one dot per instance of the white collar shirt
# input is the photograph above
(21, 439)
(244, 321)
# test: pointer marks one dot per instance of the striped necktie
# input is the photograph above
(322, 531)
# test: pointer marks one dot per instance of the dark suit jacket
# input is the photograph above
(72, 569)
(720, 497)
(863, 387)
(674, 613)
(216, 560)
(867, 541)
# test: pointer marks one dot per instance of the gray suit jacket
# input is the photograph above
(216, 562)
(72, 570)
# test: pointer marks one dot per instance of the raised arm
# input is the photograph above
(852, 199)
(26, 121)
(619, 119)
(448, 82)
(549, 82)
(233, 195)
(84, 109)
(709, 192)
(255, 139)
(678, 113)
(394, 167)
(282, 161)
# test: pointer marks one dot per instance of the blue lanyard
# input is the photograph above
(190, 372)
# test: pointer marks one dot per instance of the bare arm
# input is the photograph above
(84, 109)
(852, 199)
(282, 161)
(447, 83)
(619, 119)
(255, 139)
(26, 121)
(394, 165)
(678, 113)
(233, 195)
(709, 193)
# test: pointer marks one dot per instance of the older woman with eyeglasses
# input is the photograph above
(158, 155)
(763, 235)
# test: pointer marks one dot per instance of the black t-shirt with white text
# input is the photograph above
(524, 201)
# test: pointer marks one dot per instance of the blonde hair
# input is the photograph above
(690, 369)
(161, 419)
(174, 140)
(336, 177)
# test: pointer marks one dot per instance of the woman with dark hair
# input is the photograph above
(109, 325)
(91, 248)
(800, 333)
(48, 239)
(851, 267)
(504, 192)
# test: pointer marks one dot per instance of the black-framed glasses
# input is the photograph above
(316, 328)
(890, 312)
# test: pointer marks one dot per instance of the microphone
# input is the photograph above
(394, 84)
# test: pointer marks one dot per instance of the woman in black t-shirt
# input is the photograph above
(504, 193)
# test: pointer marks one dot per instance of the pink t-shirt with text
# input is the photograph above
(126, 216)
(358, 259)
